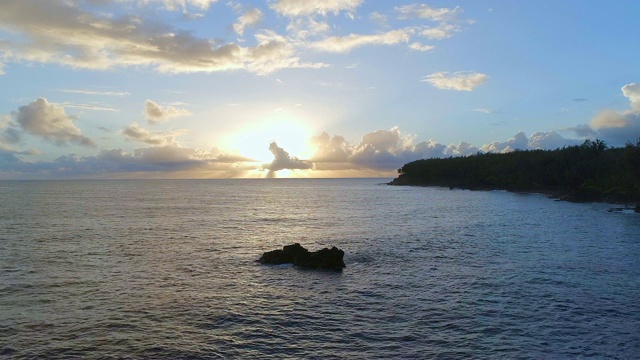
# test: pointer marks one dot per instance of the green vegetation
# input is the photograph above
(588, 172)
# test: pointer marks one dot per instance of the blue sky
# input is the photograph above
(305, 88)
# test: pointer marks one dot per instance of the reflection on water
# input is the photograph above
(166, 269)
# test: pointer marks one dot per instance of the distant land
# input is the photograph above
(591, 172)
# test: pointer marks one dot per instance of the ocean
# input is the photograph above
(166, 269)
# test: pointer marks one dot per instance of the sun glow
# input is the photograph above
(253, 140)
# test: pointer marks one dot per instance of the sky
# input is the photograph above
(100, 89)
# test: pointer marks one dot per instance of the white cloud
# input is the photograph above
(310, 7)
(423, 11)
(301, 28)
(95, 92)
(441, 31)
(616, 127)
(518, 141)
(50, 122)
(446, 19)
(9, 133)
(339, 44)
(137, 133)
(173, 5)
(2, 69)
(63, 33)
(5, 121)
(250, 18)
(460, 81)
(379, 19)
(608, 119)
(485, 111)
(420, 47)
(156, 114)
(381, 150)
(330, 149)
(550, 140)
(390, 149)
(274, 52)
(462, 149)
(94, 107)
(632, 92)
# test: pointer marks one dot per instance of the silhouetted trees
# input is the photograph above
(590, 169)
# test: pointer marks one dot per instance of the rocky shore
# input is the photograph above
(579, 196)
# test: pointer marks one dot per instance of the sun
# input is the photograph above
(253, 139)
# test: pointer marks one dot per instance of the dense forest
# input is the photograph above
(588, 172)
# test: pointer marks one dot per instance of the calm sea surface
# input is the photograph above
(166, 269)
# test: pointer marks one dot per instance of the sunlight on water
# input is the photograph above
(166, 269)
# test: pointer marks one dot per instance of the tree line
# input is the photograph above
(591, 171)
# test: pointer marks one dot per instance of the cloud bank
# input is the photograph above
(95, 35)
(62, 32)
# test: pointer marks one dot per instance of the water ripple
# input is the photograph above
(166, 269)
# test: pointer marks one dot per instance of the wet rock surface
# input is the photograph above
(296, 254)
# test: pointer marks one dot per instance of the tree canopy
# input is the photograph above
(592, 170)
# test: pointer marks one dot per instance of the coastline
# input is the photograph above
(555, 194)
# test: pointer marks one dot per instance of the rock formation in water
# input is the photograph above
(331, 259)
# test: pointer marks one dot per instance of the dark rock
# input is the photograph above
(295, 254)
(637, 209)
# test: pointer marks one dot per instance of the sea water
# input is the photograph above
(167, 269)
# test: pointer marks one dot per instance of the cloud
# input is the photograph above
(485, 111)
(311, 7)
(95, 107)
(301, 28)
(249, 18)
(10, 134)
(632, 92)
(379, 19)
(341, 44)
(380, 150)
(173, 5)
(157, 114)
(63, 33)
(441, 31)
(170, 160)
(2, 69)
(272, 53)
(136, 133)
(50, 122)
(550, 140)
(460, 81)
(446, 19)
(540, 140)
(282, 160)
(423, 11)
(615, 127)
(390, 149)
(95, 92)
(420, 47)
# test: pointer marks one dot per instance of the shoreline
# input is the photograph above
(555, 194)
